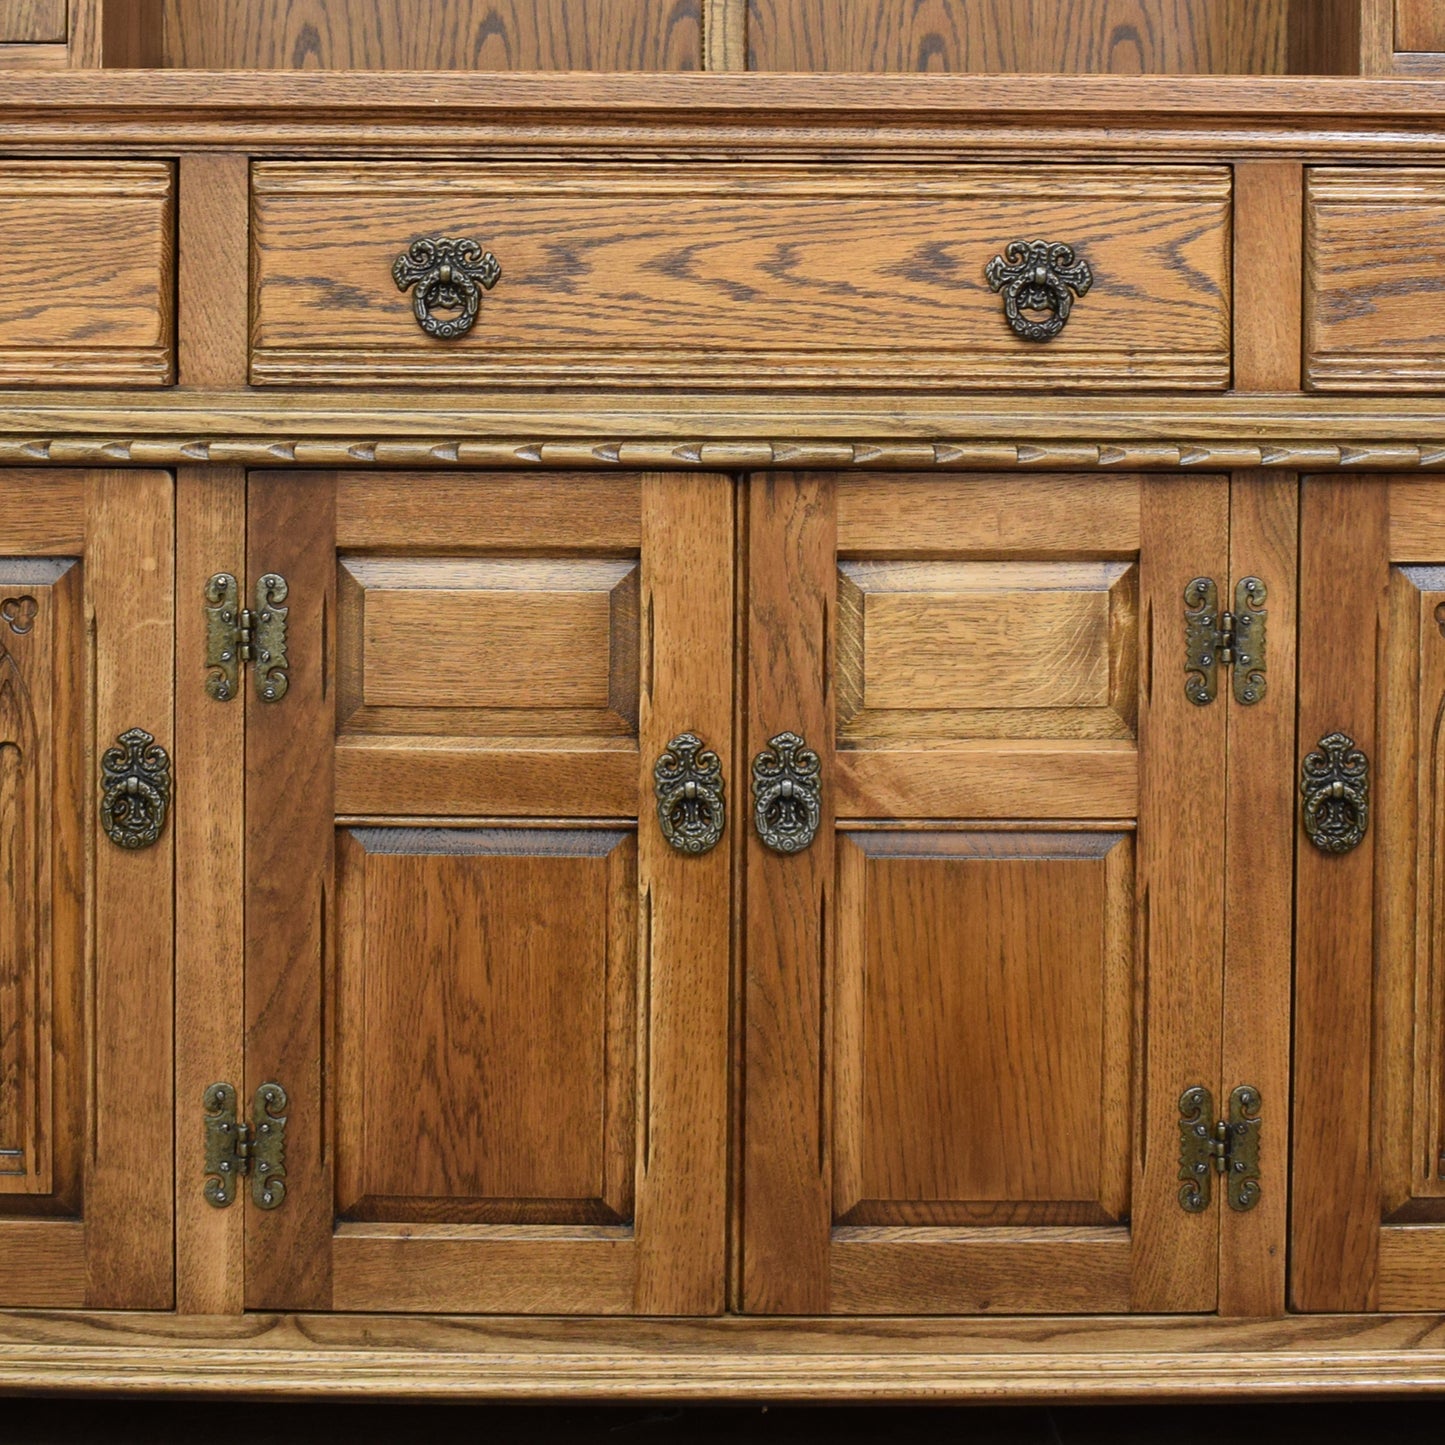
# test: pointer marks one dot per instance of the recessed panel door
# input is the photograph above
(495, 993)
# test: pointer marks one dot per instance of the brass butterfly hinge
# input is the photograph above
(1210, 1146)
(238, 1150)
(1215, 639)
(237, 635)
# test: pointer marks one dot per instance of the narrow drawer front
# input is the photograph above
(719, 275)
(87, 258)
(1375, 279)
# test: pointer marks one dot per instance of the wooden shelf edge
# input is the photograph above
(508, 1358)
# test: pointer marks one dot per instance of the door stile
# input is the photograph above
(290, 886)
(1335, 1183)
(788, 1220)
(1184, 534)
(210, 880)
(1259, 901)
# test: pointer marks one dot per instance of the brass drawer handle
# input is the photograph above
(688, 781)
(1335, 782)
(787, 794)
(135, 790)
(447, 273)
(1038, 276)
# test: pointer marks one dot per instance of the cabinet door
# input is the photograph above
(86, 656)
(985, 984)
(1369, 1164)
(496, 997)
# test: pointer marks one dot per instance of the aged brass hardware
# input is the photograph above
(1038, 276)
(1225, 1146)
(787, 794)
(1335, 784)
(135, 790)
(449, 273)
(239, 1150)
(1215, 639)
(236, 635)
(688, 781)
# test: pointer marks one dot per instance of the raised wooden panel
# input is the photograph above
(1122, 37)
(982, 1013)
(486, 987)
(1374, 293)
(33, 21)
(86, 272)
(477, 35)
(1420, 25)
(497, 645)
(40, 737)
(987, 649)
(792, 276)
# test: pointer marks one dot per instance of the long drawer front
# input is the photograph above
(720, 275)
(87, 263)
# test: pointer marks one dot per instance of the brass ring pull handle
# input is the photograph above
(1335, 783)
(787, 794)
(1038, 276)
(688, 781)
(135, 790)
(449, 274)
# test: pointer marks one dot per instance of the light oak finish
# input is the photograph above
(1126, 37)
(1268, 246)
(469, 35)
(1419, 25)
(91, 303)
(32, 21)
(1371, 321)
(212, 277)
(882, 271)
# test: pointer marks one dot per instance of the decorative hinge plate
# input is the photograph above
(1215, 639)
(238, 1150)
(1225, 1146)
(237, 635)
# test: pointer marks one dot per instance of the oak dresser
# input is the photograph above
(722, 699)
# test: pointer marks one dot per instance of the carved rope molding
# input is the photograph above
(655, 454)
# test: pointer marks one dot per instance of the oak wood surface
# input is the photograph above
(1259, 911)
(1373, 313)
(91, 304)
(129, 574)
(212, 277)
(210, 755)
(1335, 1183)
(1268, 247)
(882, 272)
(469, 35)
(1419, 25)
(31, 21)
(1033, 37)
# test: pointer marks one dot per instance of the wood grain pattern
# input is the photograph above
(1412, 1264)
(1335, 1196)
(1268, 251)
(1181, 893)
(787, 1210)
(92, 305)
(1128, 37)
(212, 277)
(1375, 306)
(1259, 904)
(30, 21)
(1419, 25)
(290, 887)
(843, 1360)
(882, 271)
(44, 1261)
(210, 755)
(724, 34)
(486, 991)
(470, 35)
(130, 609)
(974, 974)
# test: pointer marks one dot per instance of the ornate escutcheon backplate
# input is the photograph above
(688, 781)
(1038, 276)
(135, 790)
(1335, 785)
(787, 794)
(449, 273)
